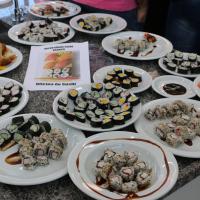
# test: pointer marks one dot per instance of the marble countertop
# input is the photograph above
(41, 102)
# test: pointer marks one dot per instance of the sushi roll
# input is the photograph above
(171, 66)
(122, 76)
(82, 105)
(134, 82)
(61, 109)
(5, 134)
(18, 120)
(29, 162)
(108, 155)
(162, 129)
(108, 79)
(117, 110)
(96, 122)
(79, 116)
(109, 113)
(16, 93)
(143, 179)
(92, 107)
(182, 70)
(63, 101)
(33, 120)
(112, 73)
(107, 94)
(129, 187)
(166, 61)
(69, 115)
(86, 96)
(118, 119)
(140, 166)
(8, 85)
(72, 94)
(121, 101)
(2, 99)
(126, 115)
(127, 173)
(6, 94)
(125, 94)
(55, 152)
(40, 149)
(116, 83)
(81, 22)
(174, 140)
(178, 54)
(97, 87)
(108, 21)
(13, 101)
(185, 64)
(129, 72)
(90, 114)
(138, 76)
(95, 94)
(5, 108)
(133, 100)
(126, 107)
(113, 104)
(177, 61)
(18, 136)
(103, 103)
(185, 132)
(103, 169)
(195, 68)
(109, 86)
(46, 127)
(192, 57)
(12, 128)
(130, 158)
(107, 123)
(78, 109)
(126, 83)
(117, 70)
(119, 160)
(99, 112)
(42, 160)
(115, 182)
(25, 150)
(36, 129)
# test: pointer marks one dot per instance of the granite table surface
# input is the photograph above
(41, 102)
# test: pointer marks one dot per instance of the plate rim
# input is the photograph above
(74, 19)
(12, 36)
(37, 181)
(103, 44)
(74, 125)
(159, 78)
(175, 151)
(18, 61)
(132, 67)
(58, 17)
(118, 134)
(25, 93)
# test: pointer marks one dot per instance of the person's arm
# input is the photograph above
(142, 10)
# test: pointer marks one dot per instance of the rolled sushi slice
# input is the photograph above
(108, 79)
(62, 109)
(192, 57)
(14, 101)
(16, 93)
(33, 120)
(126, 107)
(113, 104)
(117, 110)
(90, 114)
(6, 94)
(95, 94)
(109, 113)
(18, 120)
(108, 155)
(80, 117)
(178, 54)
(109, 86)
(96, 87)
(78, 109)
(138, 76)
(117, 70)
(40, 149)
(126, 83)
(121, 101)
(36, 129)
(5, 134)
(122, 76)
(96, 122)
(107, 123)
(129, 72)
(63, 101)
(134, 82)
(119, 160)
(107, 94)
(112, 73)
(115, 182)
(185, 132)
(139, 166)
(86, 96)
(103, 103)
(5, 108)
(116, 83)
(127, 173)
(69, 115)
(182, 70)
(99, 112)
(133, 100)
(55, 152)
(174, 140)
(162, 129)
(117, 91)
(103, 169)
(130, 157)
(171, 66)
(72, 94)
(46, 127)
(143, 179)
(18, 136)
(92, 107)
(29, 162)
(125, 94)
(2, 99)
(118, 119)
(42, 160)
(8, 85)
(126, 115)
(129, 187)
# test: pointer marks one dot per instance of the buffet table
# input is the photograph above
(41, 102)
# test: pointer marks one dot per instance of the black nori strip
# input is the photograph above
(25, 126)
(69, 115)
(18, 120)
(33, 120)
(45, 126)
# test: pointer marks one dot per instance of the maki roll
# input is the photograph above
(79, 116)
(112, 73)
(95, 94)
(13, 101)
(126, 107)
(69, 115)
(171, 66)
(192, 57)
(92, 107)
(127, 173)
(42, 160)
(195, 68)
(6, 94)
(115, 182)
(46, 127)
(29, 162)
(16, 93)
(82, 105)
(138, 76)
(61, 109)
(174, 140)
(36, 129)
(182, 70)
(18, 136)
(40, 149)
(107, 123)
(99, 112)
(81, 22)
(117, 70)
(18, 120)
(125, 94)
(118, 119)
(5, 108)
(97, 87)
(8, 85)
(133, 100)
(103, 103)
(2, 99)
(143, 179)
(107, 94)
(33, 120)
(121, 101)
(129, 72)
(113, 104)
(134, 82)
(116, 83)
(96, 122)
(86, 96)
(122, 76)
(108, 79)
(63, 101)
(78, 109)
(90, 114)
(109, 113)
(12, 128)
(185, 64)
(178, 54)
(117, 110)
(109, 86)
(55, 152)
(126, 83)
(72, 94)
(129, 187)
(127, 115)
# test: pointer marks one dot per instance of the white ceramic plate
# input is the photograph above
(16, 175)
(160, 81)
(90, 150)
(23, 100)
(100, 74)
(86, 126)
(164, 67)
(163, 46)
(12, 33)
(16, 62)
(147, 127)
(117, 25)
(74, 9)
(196, 87)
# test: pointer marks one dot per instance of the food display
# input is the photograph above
(122, 172)
(10, 95)
(6, 56)
(94, 23)
(37, 142)
(43, 31)
(126, 78)
(180, 122)
(182, 63)
(135, 47)
(102, 107)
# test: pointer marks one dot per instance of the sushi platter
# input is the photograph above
(98, 23)
(136, 45)
(133, 78)
(27, 161)
(126, 149)
(181, 64)
(10, 58)
(41, 32)
(173, 123)
(173, 86)
(55, 9)
(97, 107)
(13, 97)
